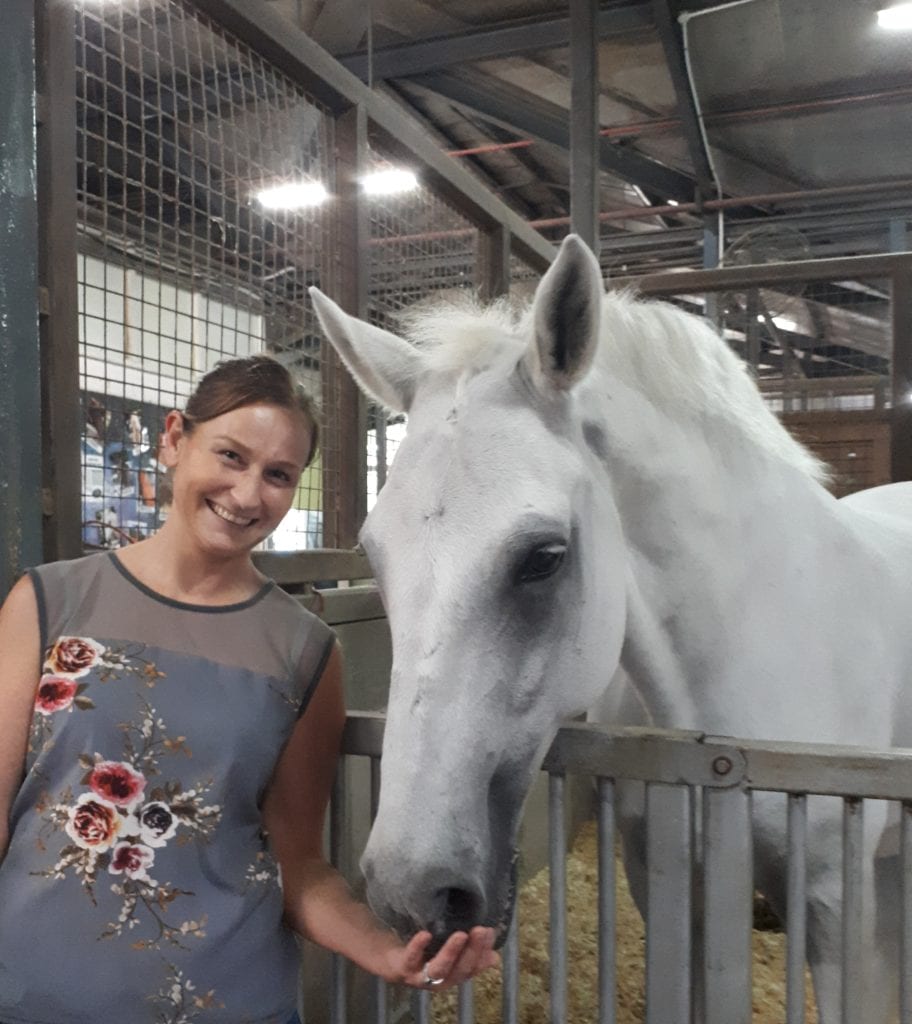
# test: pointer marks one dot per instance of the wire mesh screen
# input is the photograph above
(188, 253)
(821, 354)
(421, 249)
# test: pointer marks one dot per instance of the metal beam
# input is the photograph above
(506, 39)
(901, 433)
(518, 110)
(849, 268)
(673, 44)
(584, 123)
(20, 397)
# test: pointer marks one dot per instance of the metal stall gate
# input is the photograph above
(222, 164)
(830, 345)
(685, 773)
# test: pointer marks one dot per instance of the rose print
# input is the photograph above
(55, 693)
(117, 781)
(93, 824)
(73, 656)
(131, 860)
(157, 824)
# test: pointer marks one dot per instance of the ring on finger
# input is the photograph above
(428, 980)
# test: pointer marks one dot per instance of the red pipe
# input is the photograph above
(640, 212)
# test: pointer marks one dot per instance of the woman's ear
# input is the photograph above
(172, 438)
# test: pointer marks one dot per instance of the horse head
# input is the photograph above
(499, 557)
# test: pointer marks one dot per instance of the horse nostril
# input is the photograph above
(462, 908)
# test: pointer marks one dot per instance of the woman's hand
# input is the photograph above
(462, 957)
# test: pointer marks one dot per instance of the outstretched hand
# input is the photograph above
(462, 957)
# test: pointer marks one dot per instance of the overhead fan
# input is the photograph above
(765, 244)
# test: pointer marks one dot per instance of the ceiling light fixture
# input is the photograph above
(899, 17)
(293, 195)
(389, 182)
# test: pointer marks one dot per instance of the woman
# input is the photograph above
(164, 709)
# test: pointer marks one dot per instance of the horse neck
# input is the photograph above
(713, 526)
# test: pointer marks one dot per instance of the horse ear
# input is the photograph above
(566, 314)
(385, 367)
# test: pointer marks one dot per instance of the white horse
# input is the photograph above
(600, 486)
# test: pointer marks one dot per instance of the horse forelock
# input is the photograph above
(675, 359)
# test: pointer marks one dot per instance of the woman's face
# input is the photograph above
(235, 476)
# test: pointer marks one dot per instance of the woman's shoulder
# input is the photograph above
(84, 567)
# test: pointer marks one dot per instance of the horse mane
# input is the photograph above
(677, 360)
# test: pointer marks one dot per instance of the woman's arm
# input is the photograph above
(318, 901)
(19, 649)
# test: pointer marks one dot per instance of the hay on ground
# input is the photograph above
(582, 947)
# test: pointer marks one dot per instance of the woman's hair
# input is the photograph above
(254, 380)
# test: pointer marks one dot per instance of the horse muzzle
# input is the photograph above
(439, 901)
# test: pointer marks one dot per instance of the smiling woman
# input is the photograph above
(169, 727)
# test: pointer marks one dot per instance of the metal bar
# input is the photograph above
(852, 932)
(796, 904)
(20, 397)
(668, 918)
(905, 935)
(898, 234)
(421, 1006)
(380, 991)
(498, 40)
(728, 905)
(901, 315)
(584, 122)
(607, 903)
(345, 458)
(730, 278)
(557, 845)
(62, 417)
(313, 566)
(270, 34)
(695, 759)
(509, 1007)
(493, 263)
(466, 1003)
(338, 1010)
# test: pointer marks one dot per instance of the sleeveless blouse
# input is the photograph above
(138, 884)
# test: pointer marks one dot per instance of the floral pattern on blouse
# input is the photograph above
(178, 1001)
(127, 810)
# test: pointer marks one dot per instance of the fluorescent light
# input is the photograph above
(785, 323)
(899, 16)
(389, 182)
(672, 202)
(294, 195)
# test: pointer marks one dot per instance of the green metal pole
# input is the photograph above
(20, 393)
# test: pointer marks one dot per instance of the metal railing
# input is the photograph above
(681, 770)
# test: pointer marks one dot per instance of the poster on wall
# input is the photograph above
(124, 490)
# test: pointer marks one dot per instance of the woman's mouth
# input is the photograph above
(230, 517)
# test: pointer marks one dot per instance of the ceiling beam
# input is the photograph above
(671, 36)
(523, 113)
(505, 39)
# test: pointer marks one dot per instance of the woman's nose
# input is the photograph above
(246, 492)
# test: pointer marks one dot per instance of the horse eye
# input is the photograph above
(542, 562)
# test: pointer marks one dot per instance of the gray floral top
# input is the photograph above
(138, 884)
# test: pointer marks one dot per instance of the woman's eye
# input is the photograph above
(281, 476)
(542, 562)
(229, 455)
